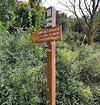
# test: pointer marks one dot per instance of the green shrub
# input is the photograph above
(22, 72)
(78, 75)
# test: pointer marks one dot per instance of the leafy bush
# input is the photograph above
(28, 15)
(22, 71)
(7, 9)
(78, 75)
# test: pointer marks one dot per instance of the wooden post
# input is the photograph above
(50, 36)
(51, 63)
(51, 74)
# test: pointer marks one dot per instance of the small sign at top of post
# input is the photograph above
(51, 16)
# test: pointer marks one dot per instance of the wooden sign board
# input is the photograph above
(47, 35)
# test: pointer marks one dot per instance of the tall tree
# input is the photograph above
(88, 11)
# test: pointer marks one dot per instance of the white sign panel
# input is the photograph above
(51, 17)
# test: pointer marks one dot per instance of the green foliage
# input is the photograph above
(22, 66)
(29, 15)
(67, 55)
(74, 38)
(7, 15)
(78, 75)
(22, 78)
(62, 20)
(76, 27)
(97, 33)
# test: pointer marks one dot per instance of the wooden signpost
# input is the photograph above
(50, 34)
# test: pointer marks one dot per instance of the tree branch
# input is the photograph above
(87, 7)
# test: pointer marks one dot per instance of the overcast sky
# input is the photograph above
(57, 5)
(48, 3)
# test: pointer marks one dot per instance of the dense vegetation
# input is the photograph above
(23, 66)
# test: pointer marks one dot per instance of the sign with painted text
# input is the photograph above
(46, 35)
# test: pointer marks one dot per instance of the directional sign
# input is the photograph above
(46, 35)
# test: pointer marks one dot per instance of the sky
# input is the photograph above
(58, 6)
(48, 3)
(62, 8)
(55, 3)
